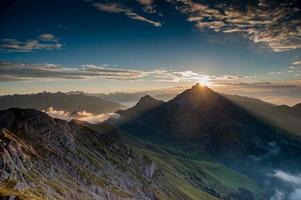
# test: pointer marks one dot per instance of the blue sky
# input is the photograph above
(148, 44)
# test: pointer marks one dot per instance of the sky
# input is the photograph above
(240, 47)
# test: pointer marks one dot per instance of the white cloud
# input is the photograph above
(288, 177)
(117, 8)
(45, 41)
(276, 25)
(47, 37)
(60, 114)
(297, 62)
(95, 119)
(292, 180)
(12, 71)
(82, 115)
(279, 195)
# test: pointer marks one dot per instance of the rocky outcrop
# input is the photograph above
(148, 167)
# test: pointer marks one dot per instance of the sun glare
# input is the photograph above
(204, 81)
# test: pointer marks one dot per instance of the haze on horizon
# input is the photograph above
(237, 47)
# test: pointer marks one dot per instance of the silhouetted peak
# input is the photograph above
(196, 93)
(200, 88)
(147, 99)
(298, 105)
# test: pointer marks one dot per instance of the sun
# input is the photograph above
(204, 81)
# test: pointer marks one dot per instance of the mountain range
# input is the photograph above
(59, 101)
(199, 145)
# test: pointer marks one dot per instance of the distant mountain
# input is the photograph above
(46, 158)
(59, 101)
(145, 104)
(284, 117)
(126, 98)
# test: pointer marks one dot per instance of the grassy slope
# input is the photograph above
(181, 161)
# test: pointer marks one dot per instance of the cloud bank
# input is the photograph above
(14, 71)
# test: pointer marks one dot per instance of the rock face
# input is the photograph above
(51, 158)
(148, 167)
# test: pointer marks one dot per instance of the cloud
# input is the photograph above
(297, 62)
(148, 5)
(293, 180)
(278, 25)
(42, 42)
(296, 195)
(119, 9)
(288, 177)
(82, 115)
(146, 2)
(277, 92)
(296, 66)
(13, 71)
(95, 119)
(60, 114)
(279, 195)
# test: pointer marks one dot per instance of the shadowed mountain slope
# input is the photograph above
(284, 117)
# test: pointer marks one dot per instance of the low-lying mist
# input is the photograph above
(293, 181)
(80, 115)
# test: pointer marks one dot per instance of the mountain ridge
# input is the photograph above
(145, 104)
(59, 101)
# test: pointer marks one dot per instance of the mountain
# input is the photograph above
(297, 109)
(145, 104)
(209, 122)
(200, 114)
(130, 98)
(46, 158)
(59, 101)
(284, 117)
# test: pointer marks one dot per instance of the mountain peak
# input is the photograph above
(145, 103)
(147, 99)
(200, 88)
(196, 94)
